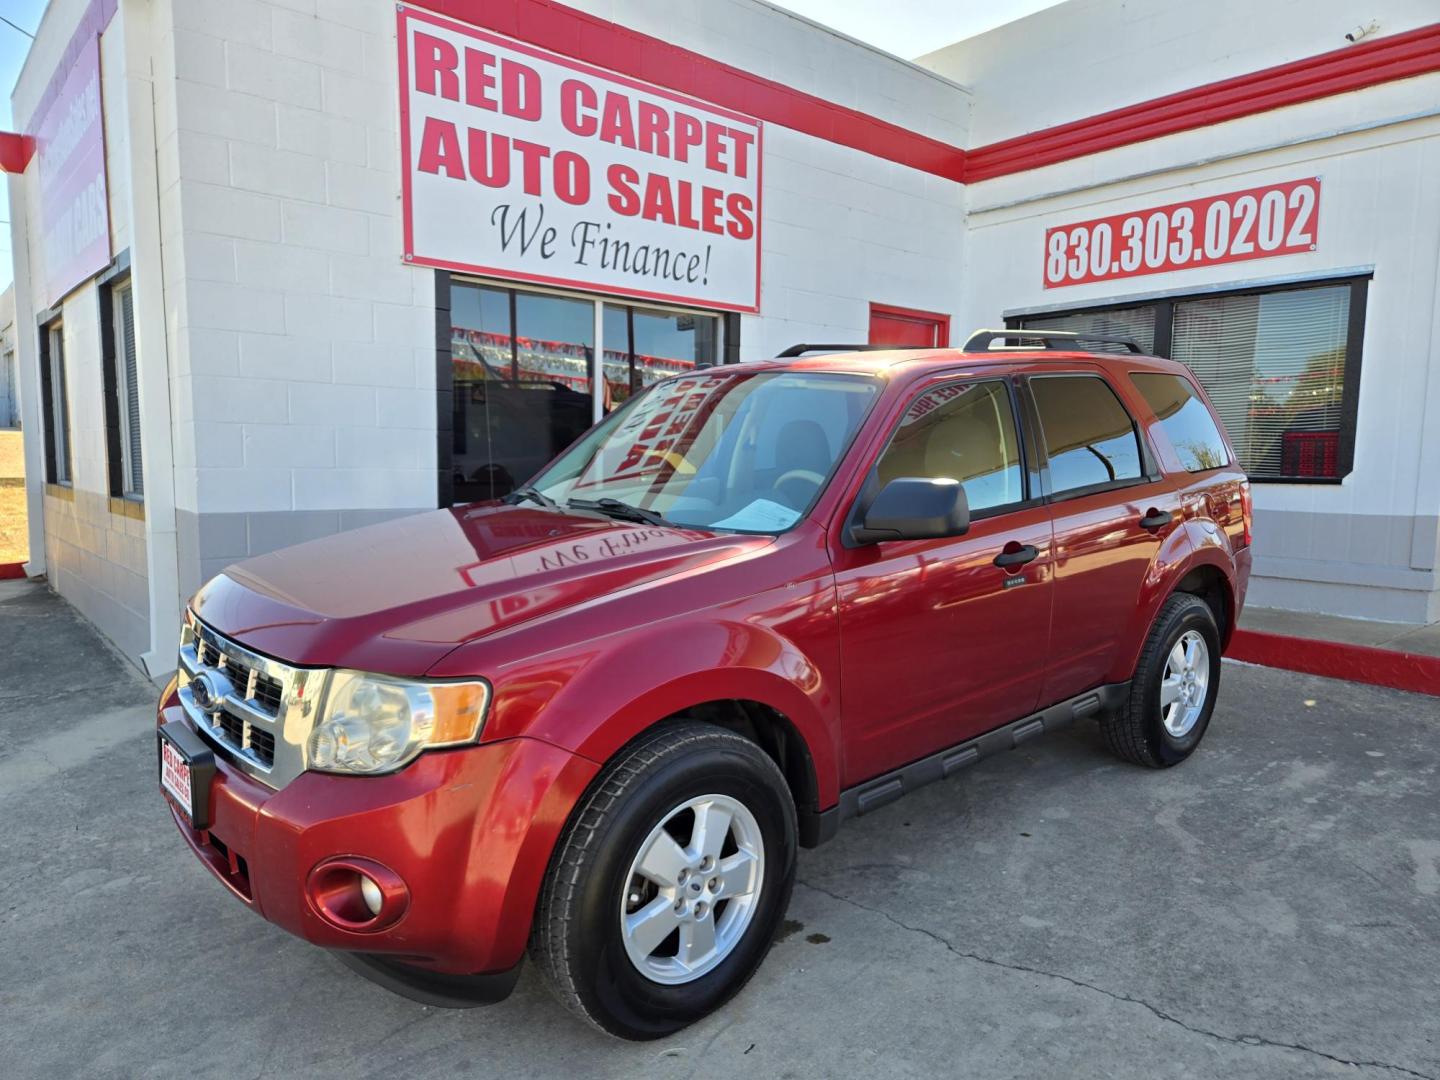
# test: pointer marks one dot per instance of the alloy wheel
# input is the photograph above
(692, 889)
(1185, 684)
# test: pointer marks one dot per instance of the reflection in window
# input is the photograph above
(690, 448)
(643, 345)
(521, 365)
(1184, 419)
(1089, 435)
(963, 431)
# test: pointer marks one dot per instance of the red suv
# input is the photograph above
(599, 717)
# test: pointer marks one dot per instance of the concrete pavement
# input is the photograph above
(1270, 909)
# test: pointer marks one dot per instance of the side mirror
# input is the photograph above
(915, 508)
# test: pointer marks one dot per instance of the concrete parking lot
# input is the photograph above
(1270, 909)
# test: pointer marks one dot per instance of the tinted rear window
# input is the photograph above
(1186, 421)
(1088, 434)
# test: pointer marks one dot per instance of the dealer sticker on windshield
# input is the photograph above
(762, 515)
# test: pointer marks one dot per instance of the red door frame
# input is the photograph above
(940, 323)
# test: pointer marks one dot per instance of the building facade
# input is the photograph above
(287, 267)
(9, 372)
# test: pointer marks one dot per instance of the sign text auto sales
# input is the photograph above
(528, 165)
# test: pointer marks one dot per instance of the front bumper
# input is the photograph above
(469, 831)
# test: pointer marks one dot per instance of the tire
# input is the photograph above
(663, 784)
(1139, 731)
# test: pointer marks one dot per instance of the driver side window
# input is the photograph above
(964, 431)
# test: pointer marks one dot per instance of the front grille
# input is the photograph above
(252, 708)
(232, 727)
(264, 690)
(262, 744)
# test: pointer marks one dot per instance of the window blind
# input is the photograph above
(1274, 367)
(134, 482)
(1134, 323)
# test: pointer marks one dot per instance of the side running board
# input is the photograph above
(873, 794)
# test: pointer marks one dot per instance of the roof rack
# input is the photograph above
(800, 350)
(981, 340)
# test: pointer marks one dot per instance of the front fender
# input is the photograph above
(594, 699)
(1194, 544)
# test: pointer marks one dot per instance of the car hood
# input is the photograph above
(397, 597)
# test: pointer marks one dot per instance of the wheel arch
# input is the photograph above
(1205, 571)
(783, 743)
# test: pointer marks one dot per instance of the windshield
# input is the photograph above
(724, 449)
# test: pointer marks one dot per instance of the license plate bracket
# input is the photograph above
(186, 764)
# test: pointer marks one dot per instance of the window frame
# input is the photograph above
(727, 352)
(120, 469)
(51, 325)
(1149, 463)
(1164, 304)
(869, 487)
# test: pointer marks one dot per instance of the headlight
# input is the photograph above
(375, 724)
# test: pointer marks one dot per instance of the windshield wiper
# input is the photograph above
(617, 509)
(534, 494)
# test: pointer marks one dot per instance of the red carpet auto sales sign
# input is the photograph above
(527, 165)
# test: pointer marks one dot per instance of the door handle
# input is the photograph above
(1156, 519)
(1016, 555)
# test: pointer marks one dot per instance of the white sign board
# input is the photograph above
(529, 166)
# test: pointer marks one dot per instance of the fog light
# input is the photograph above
(371, 894)
(357, 894)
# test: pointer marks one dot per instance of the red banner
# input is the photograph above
(1257, 223)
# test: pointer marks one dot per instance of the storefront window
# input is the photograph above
(1274, 367)
(521, 364)
(1281, 366)
(644, 345)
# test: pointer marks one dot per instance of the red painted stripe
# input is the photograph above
(15, 151)
(606, 44)
(11, 570)
(1356, 663)
(1402, 56)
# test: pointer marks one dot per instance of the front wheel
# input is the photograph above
(669, 882)
(1173, 692)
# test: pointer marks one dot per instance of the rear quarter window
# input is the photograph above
(1183, 417)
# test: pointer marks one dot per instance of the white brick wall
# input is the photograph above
(1084, 57)
(288, 173)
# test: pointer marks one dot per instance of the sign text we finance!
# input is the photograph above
(529, 165)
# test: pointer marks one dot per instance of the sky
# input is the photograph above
(911, 28)
(906, 28)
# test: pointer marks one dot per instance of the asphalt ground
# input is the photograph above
(1269, 909)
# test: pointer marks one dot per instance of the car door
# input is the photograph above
(938, 642)
(1112, 509)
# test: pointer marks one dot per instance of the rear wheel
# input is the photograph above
(669, 883)
(1173, 691)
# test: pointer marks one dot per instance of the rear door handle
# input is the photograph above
(1016, 556)
(1156, 519)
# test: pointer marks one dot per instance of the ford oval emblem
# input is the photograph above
(205, 692)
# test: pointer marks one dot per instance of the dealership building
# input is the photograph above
(289, 267)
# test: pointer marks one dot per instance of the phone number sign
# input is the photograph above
(1257, 223)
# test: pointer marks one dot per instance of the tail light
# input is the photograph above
(1247, 512)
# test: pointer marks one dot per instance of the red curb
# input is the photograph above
(11, 570)
(1355, 663)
